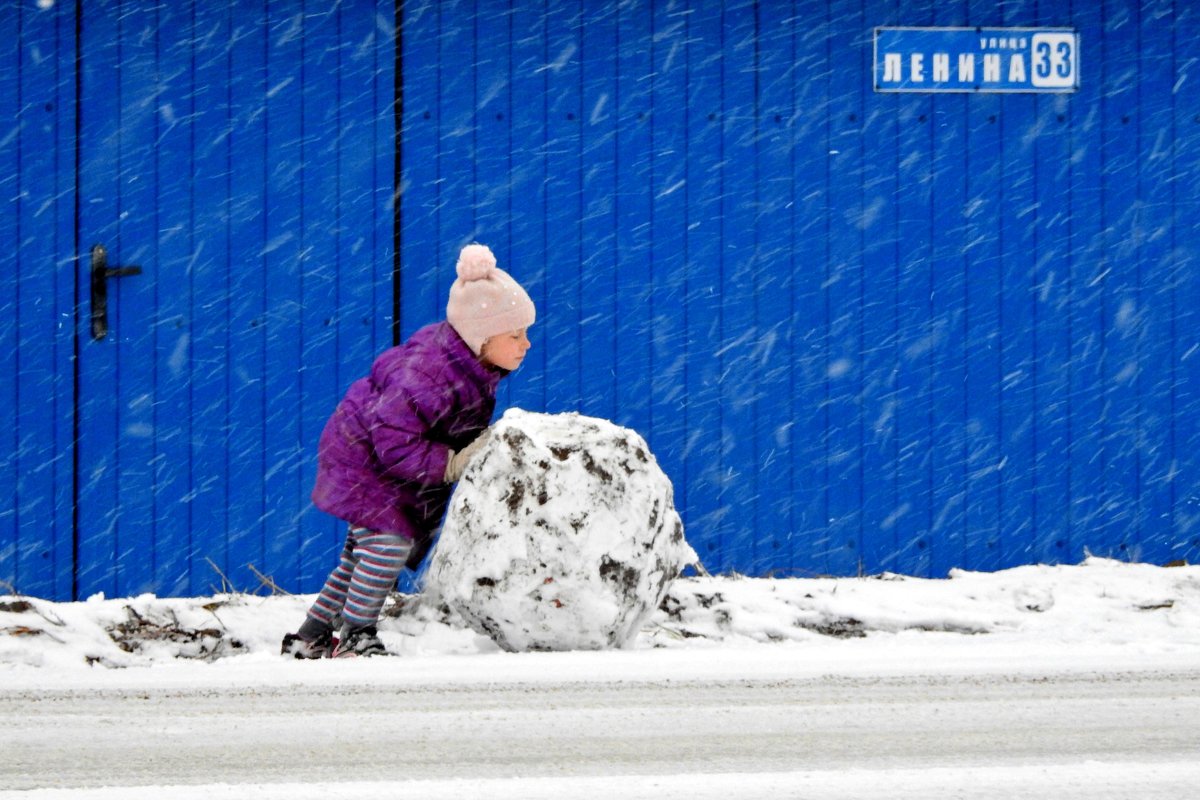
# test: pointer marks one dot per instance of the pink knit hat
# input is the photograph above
(485, 300)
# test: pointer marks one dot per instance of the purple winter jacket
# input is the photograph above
(382, 457)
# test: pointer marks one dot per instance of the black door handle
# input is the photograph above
(101, 272)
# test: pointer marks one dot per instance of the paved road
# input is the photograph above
(994, 728)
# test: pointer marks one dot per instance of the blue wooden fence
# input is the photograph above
(860, 331)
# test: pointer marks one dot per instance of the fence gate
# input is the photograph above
(181, 323)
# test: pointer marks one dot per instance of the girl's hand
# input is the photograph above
(456, 465)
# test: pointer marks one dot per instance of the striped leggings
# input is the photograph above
(356, 589)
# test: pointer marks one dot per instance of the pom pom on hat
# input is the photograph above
(475, 262)
(485, 301)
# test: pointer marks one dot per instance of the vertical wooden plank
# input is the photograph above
(359, 277)
(1157, 373)
(100, 156)
(321, 120)
(466, 155)
(131, 304)
(491, 35)
(457, 134)
(702, 455)
(598, 166)
(1017, 364)
(210, 303)
(1116, 530)
(420, 266)
(563, 255)
(739, 333)
(846, 32)
(528, 253)
(635, 108)
(35, 518)
(406, 53)
(882, 506)
(493, 143)
(245, 60)
(282, 252)
(350, 132)
(492, 183)
(11, 186)
(419, 231)
(102, 153)
(414, 58)
(918, 334)
(64, 214)
(27, 291)
(667, 277)
(385, 146)
(1089, 309)
(982, 237)
(949, 330)
(778, 260)
(1186, 340)
(1052, 294)
(810, 314)
(43, 386)
(179, 559)
(517, 237)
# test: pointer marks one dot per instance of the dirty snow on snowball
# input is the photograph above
(562, 535)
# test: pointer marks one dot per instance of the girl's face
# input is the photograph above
(505, 350)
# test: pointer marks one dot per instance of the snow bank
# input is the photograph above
(562, 535)
(1100, 600)
(1106, 605)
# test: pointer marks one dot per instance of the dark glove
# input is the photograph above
(418, 552)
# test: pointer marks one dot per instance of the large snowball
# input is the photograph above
(562, 535)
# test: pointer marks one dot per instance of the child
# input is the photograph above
(398, 440)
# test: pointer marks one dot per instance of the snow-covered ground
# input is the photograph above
(1072, 681)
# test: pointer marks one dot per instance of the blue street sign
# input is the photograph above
(976, 60)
